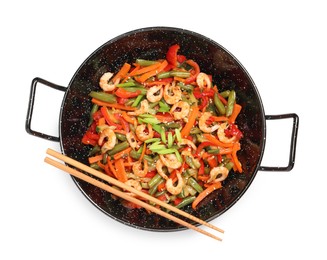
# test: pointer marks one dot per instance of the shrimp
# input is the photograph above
(188, 142)
(170, 160)
(203, 123)
(154, 94)
(137, 168)
(105, 83)
(109, 136)
(172, 93)
(159, 168)
(143, 109)
(134, 184)
(221, 172)
(131, 138)
(141, 134)
(180, 110)
(174, 190)
(221, 134)
(203, 80)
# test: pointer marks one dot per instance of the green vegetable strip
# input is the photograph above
(103, 96)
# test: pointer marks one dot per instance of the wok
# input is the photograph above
(152, 43)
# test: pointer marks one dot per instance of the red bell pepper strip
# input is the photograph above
(122, 93)
(233, 130)
(171, 55)
(196, 71)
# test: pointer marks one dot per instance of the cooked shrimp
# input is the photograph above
(221, 134)
(219, 173)
(159, 168)
(109, 136)
(203, 80)
(203, 123)
(170, 160)
(105, 83)
(131, 138)
(137, 168)
(188, 142)
(135, 184)
(180, 110)
(143, 109)
(172, 93)
(174, 190)
(155, 93)
(141, 132)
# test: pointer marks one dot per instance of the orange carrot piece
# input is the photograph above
(152, 73)
(95, 158)
(120, 170)
(219, 118)
(216, 142)
(128, 119)
(122, 72)
(188, 126)
(122, 153)
(237, 163)
(102, 121)
(205, 193)
(145, 69)
(143, 152)
(236, 110)
(117, 106)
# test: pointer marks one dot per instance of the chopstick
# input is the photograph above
(123, 195)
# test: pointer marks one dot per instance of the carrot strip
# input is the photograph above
(152, 73)
(205, 193)
(219, 118)
(122, 153)
(145, 69)
(120, 170)
(237, 163)
(95, 158)
(143, 152)
(236, 110)
(101, 165)
(188, 126)
(122, 72)
(102, 121)
(216, 142)
(117, 106)
(128, 119)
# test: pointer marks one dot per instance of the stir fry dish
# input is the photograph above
(164, 128)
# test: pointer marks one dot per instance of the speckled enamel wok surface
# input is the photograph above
(152, 43)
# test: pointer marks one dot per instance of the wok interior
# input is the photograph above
(153, 43)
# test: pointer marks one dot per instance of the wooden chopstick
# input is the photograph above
(123, 195)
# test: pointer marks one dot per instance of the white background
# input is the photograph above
(282, 44)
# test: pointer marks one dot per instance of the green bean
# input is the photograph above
(172, 125)
(174, 73)
(163, 75)
(121, 137)
(126, 84)
(103, 96)
(184, 87)
(135, 155)
(230, 102)
(94, 150)
(95, 166)
(225, 93)
(145, 63)
(219, 105)
(229, 165)
(213, 151)
(155, 179)
(118, 148)
(137, 100)
(185, 202)
(195, 130)
(190, 162)
(194, 184)
(94, 109)
(154, 188)
(134, 89)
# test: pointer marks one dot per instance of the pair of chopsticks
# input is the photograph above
(123, 195)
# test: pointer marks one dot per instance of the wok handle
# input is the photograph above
(28, 128)
(293, 142)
